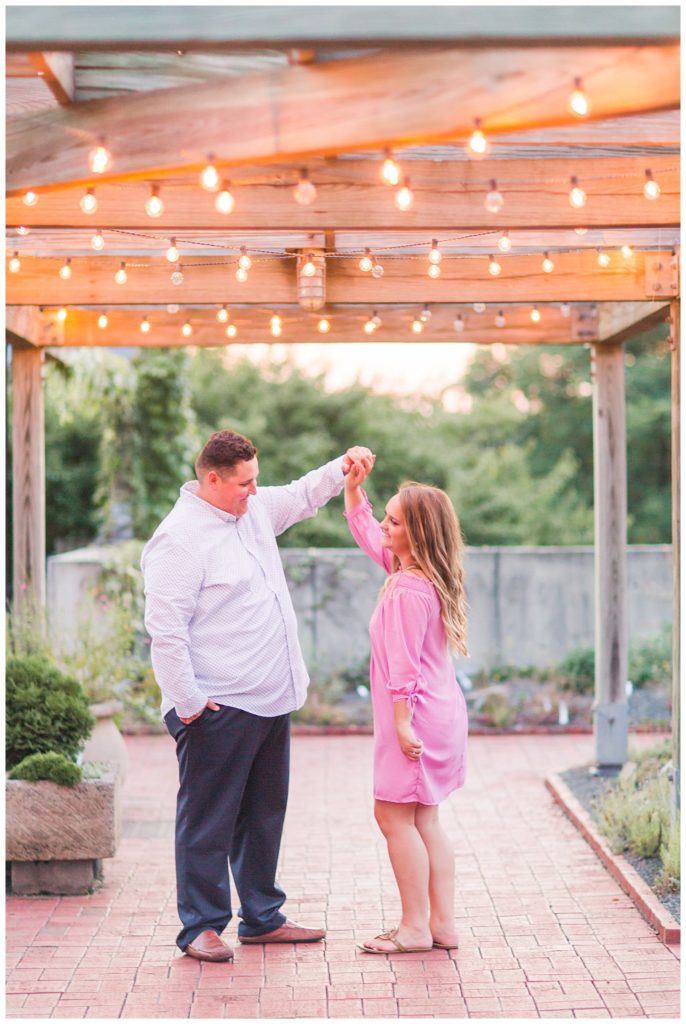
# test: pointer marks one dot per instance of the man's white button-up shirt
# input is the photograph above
(217, 605)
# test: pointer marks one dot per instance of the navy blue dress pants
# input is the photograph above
(233, 789)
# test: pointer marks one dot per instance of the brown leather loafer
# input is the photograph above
(288, 932)
(208, 946)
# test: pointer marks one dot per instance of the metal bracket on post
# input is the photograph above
(611, 733)
(662, 276)
(585, 322)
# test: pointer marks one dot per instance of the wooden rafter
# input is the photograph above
(57, 70)
(27, 326)
(426, 96)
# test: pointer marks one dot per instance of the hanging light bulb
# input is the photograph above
(390, 172)
(324, 325)
(369, 326)
(500, 318)
(241, 275)
(65, 269)
(62, 314)
(176, 276)
(417, 326)
(458, 323)
(504, 242)
(172, 253)
(494, 267)
(99, 158)
(434, 270)
(309, 269)
(97, 241)
(23, 231)
(578, 101)
(145, 325)
(275, 325)
(564, 309)
(404, 197)
(603, 258)
(304, 192)
(231, 331)
(547, 266)
(577, 196)
(477, 144)
(103, 321)
(535, 315)
(225, 202)
(88, 202)
(244, 260)
(366, 263)
(154, 207)
(209, 178)
(425, 314)
(172, 308)
(377, 269)
(15, 264)
(222, 314)
(580, 231)
(479, 307)
(376, 319)
(627, 252)
(120, 276)
(435, 256)
(494, 201)
(29, 198)
(187, 330)
(651, 189)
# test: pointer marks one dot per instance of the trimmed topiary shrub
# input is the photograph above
(46, 710)
(51, 767)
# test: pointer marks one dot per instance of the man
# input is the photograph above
(226, 657)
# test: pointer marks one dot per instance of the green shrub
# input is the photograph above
(646, 819)
(45, 710)
(499, 710)
(577, 670)
(53, 767)
(650, 659)
(670, 854)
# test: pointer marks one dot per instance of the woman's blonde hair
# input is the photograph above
(437, 549)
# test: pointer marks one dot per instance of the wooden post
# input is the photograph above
(610, 710)
(28, 467)
(675, 317)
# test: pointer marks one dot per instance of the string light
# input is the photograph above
(578, 101)
(99, 158)
(404, 197)
(536, 315)
(565, 310)
(603, 258)
(15, 264)
(223, 314)
(309, 269)
(479, 307)
(494, 267)
(275, 326)
(435, 255)
(434, 270)
(88, 202)
(458, 323)
(366, 263)
(172, 308)
(477, 143)
(209, 178)
(577, 196)
(651, 189)
(231, 331)
(103, 321)
(500, 319)
(376, 319)
(121, 276)
(176, 276)
(627, 252)
(154, 207)
(241, 275)
(580, 231)
(244, 261)
(324, 325)
(62, 314)
(187, 330)
(377, 269)
(172, 253)
(225, 202)
(29, 198)
(390, 172)
(369, 325)
(547, 266)
(145, 325)
(98, 241)
(23, 231)
(417, 326)
(65, 269)
(305, 191)
(504, 242)
(425, 314)
(494, 201)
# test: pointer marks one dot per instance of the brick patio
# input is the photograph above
(545, 931)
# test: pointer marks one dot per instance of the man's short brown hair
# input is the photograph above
(223, 451)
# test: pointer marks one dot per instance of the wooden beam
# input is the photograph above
(351, 196)
(619, 321)
(610, 714)
(28, 468)
(214, 28)
(675, 318)
(57, 69)
(577, 277)
(385, 99)
(347, 325)
(28, 327)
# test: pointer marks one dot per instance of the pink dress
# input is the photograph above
(410, 661)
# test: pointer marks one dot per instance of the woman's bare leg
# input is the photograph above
(410, 863)
(441, 874)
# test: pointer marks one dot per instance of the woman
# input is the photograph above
(420, 715)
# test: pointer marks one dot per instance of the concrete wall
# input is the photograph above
(528, 606)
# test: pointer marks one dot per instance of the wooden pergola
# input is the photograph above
(296, 108)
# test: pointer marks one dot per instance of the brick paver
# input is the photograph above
(545, 930)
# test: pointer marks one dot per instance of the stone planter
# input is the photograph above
(57, 836)
(106, 743)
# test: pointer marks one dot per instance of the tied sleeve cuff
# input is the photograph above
(409, 692)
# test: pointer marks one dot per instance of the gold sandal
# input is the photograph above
(399, 948)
